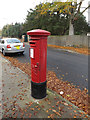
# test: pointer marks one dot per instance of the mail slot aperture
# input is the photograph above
(32, 43)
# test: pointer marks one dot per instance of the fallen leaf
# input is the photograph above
(47, 111)
(66, 104)
(59, 108)
(56, 112)
(32, 109)
(68, 95)
(38, 108)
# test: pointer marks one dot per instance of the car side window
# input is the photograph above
(2, 41)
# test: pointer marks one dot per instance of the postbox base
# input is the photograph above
(38, 90)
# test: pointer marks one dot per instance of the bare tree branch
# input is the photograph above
(76, 15)
(79, 2)
(85, 9)
(79, 6)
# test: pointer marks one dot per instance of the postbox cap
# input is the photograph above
(38, 32)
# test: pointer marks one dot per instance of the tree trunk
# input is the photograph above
(71, 28)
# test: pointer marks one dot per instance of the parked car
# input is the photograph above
(11, 45)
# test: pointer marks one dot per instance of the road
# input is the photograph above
(71, 67)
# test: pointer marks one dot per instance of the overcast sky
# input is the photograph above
(12, 11)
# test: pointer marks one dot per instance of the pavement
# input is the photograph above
(17, 102)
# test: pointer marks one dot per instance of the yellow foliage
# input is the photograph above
(62, 7)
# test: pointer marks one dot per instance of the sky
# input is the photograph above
(12, 11)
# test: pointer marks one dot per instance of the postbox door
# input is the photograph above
(35, 60)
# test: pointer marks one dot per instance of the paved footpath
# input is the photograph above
(18, 103)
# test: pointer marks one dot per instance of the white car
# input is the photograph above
(11, 45)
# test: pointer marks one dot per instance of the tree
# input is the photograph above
(12, 30)
(54, 23)
(72, 9)
(80, 26)
(4, 31)
(57, 24)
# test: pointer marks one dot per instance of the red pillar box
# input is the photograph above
(38, 55)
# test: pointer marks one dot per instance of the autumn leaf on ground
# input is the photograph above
(59, 108)
(32, 109)
(47, 111)
(56, 112)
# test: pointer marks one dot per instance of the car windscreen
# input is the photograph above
(13, 41)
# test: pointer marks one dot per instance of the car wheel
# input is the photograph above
(22, 53)
(3, 52)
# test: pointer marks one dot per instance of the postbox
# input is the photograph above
(38, 55)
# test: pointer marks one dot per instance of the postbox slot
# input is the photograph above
(32, 42)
